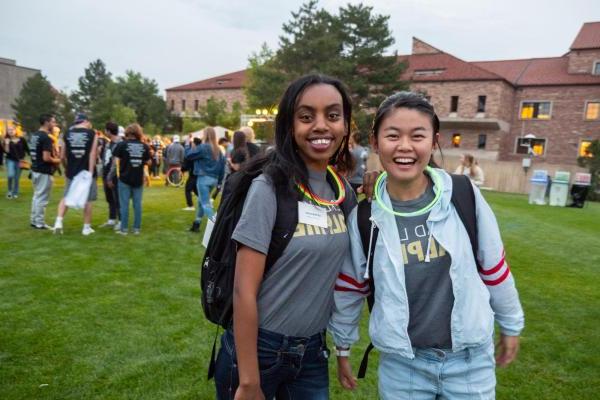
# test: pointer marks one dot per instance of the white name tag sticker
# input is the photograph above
(312, 215)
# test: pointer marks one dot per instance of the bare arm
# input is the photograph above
(47, 157)
(250, 266)
(93, 155)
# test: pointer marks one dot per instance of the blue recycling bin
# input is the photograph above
(539, 182)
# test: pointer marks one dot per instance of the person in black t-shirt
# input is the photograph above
(42, 165)
(15, 148)
(106, 147)
(130, 156)
(78, 153)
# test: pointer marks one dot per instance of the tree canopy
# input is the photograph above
(350, 45)
(36, 97)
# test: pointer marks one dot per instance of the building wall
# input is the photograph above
(564, 130)
(229, 95)
(12, 78)
(582, 61)
(499, 97)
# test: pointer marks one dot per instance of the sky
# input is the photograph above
(181, 41)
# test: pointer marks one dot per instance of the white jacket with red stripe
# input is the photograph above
(479, 296)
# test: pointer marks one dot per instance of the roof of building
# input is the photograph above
(443, 67)
(588, 37)
(233, 80)
(538, 72)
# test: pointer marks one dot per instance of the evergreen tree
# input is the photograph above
(142, 95)
(92, 85)
(36, 97)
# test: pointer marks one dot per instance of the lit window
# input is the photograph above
(456, 140)
(535, 110)
(592, 110)
(454, 104)
(481, 141)
(584, 148)
(481, 104)
(531, 146)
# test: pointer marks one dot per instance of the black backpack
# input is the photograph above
(463, 199)
(218, 266)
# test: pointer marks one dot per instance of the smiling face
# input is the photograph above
(405, 143)
(319, 126)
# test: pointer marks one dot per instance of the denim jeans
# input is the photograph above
(439, 374)
(205, 184)
(127, 192)
(290, 367)
(13, 174)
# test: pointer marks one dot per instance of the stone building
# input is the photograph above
(190, 97)
(547, 109)
(12, 78)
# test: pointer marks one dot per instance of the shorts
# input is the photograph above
(93, 196)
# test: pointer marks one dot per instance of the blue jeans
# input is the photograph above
(290, 367)
(205, 184)
(439, 374)
(13, 175)
(127, 192)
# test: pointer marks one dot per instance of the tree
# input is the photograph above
(107, 106)
(142, 95)
(351, 46)
(36, 97)
(92, 85)
(65, 113)
(212, 110)
(231, 120)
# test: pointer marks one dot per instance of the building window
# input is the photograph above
(596, 70)
(584, 148)
(454, 104)
(456, 140)
(172, 104)
(182, 105)
(592, 110)
(531, 146)
(481, 141)
(429, 72)
(535, 110)
(481, 104)
(195, 105)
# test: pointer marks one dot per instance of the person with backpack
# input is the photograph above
(437, 276)
(288, 246)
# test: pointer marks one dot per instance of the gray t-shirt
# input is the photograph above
(428, 284)
(296, 294)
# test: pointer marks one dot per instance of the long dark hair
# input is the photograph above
(284, 165)
(239, 142)
(412, 101)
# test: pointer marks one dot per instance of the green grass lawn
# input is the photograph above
(111, 317)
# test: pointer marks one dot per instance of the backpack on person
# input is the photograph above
(463, 199)
(218, 265)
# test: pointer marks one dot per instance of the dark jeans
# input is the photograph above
(290, 367)
(190, 187)
(112, 198)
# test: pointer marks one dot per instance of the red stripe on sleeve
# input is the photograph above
(495, 269)
(499, 280)
(346, 289)
(351, 281)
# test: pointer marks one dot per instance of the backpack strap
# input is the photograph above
(463, 199)
(368, 237)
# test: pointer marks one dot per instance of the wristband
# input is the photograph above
(342, 352)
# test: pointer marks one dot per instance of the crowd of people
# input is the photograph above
(436, 294)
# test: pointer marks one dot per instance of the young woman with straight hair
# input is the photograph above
(435, 305)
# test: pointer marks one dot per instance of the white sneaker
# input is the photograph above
(57, 228)
(136, 231)
(109, 223)
(117, 226)
(120, 232)
(188, 209)
(87, 231)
